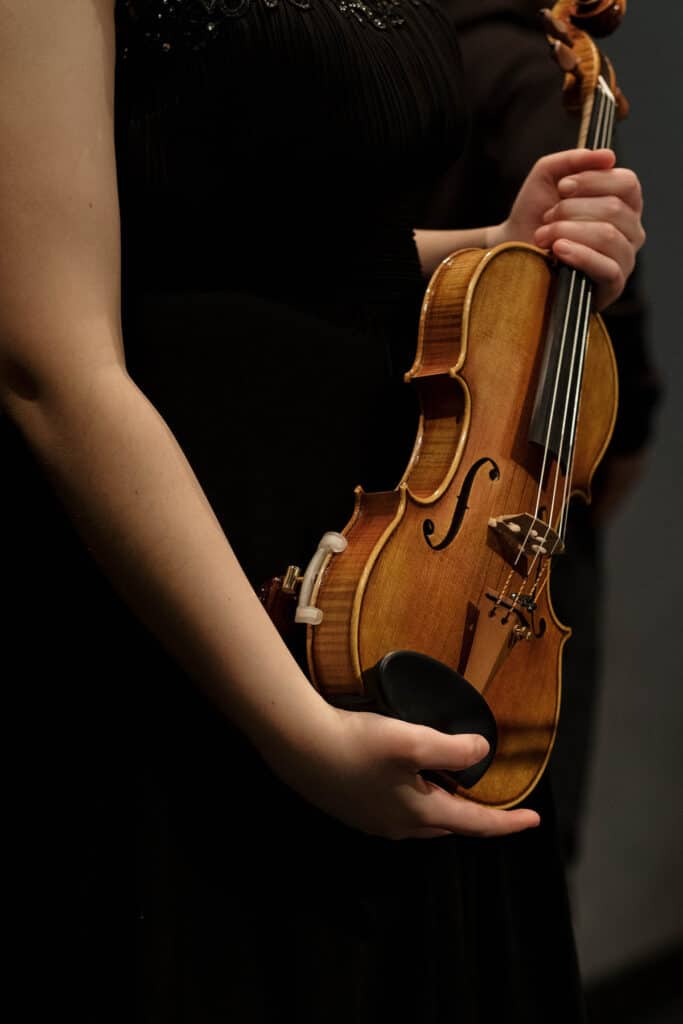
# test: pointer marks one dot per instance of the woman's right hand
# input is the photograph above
(365, 769)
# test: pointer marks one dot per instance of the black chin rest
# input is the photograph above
(419, 689)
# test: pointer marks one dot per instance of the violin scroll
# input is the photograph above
(569, 26)
(599, 17)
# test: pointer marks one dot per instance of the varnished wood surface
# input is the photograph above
(389, 590)
(599, 18)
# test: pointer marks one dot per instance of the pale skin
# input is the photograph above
(120, 471)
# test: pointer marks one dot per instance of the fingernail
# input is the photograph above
(542, 235)
(562, 248)
(481, 747)
(568, 185)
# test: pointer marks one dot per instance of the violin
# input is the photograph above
(433, 604)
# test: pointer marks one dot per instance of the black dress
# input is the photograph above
(274, 157)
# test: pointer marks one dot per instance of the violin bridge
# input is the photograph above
(520, 539)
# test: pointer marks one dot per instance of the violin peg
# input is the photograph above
(623, 105)
(567, 60)
(554, 27)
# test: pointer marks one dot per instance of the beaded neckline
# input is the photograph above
(193, 23)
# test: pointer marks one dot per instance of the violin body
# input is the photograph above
(434, 605)
(432, 566)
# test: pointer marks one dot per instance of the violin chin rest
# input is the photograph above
(422, 690)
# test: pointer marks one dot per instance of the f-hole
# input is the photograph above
(461, 505)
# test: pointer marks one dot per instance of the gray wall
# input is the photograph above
(629, 885)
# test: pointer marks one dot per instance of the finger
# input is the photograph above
(497, 823)
(441, 810)
(602, 270)
(436, 750)
(616, 181)
(556, 166)
(604, 239)
(610, 209)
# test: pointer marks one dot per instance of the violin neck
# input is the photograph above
(556, 407)
(600, 113)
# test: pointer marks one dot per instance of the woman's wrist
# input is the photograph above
(496, 234)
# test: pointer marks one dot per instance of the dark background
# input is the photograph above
(628, 888)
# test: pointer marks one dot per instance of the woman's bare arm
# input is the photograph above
(115, 463)
(119, 470)
(435, 244)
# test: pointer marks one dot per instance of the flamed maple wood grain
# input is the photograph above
(476, 367)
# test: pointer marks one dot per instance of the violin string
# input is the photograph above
(551, 418)
(601, 134)
(612, 106)
(581, 319)
(542, 541)
(537, 583)
(584, 300)
(503, 587)
(603, 137)
(578, 346)
(562, 531)
(546, 447)
(500, 587)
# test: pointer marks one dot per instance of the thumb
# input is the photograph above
(573, 161)
(439, 750)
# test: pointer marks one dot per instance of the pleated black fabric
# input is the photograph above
(274, 157)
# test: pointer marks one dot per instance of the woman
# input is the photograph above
(272, 161)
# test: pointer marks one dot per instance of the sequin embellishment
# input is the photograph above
(167, 24)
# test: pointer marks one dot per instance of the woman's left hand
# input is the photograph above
(584, 209)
